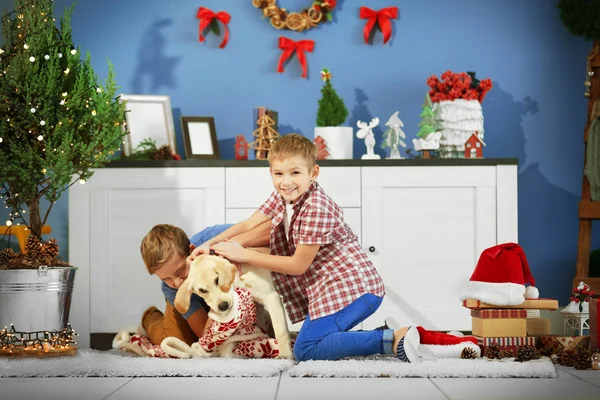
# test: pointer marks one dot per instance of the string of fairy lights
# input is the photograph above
(43, 126)
(12, 340)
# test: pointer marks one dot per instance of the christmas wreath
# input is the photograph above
(320, 11)
(581, 17)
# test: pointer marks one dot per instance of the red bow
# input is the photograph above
(206, 16)
(383, 19)
(289, 46)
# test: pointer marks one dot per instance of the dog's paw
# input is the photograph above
(198, 352)
(285, 354)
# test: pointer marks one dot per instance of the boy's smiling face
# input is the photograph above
(292, 177)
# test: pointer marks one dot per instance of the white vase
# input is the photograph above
(459, 120)
(338, 139)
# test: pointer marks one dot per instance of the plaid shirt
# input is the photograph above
(340, 273)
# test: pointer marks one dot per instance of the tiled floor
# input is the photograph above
(570, 384)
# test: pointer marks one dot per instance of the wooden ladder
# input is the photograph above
(588, 210)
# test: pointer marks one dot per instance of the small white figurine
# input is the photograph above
(431, 142)
(366, 132)
(393, 136)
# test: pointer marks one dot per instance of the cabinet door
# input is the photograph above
(426, 227)
(121, 207)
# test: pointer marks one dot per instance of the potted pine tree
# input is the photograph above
(332, 113)
(57, 123)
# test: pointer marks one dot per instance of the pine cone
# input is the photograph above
(582, 359)
(33, 244)
(566, 357)
(546, 351)
(49, 249)
(527, 353)
(468, 353)
(7, 254)
(493, 351)
(163, 153)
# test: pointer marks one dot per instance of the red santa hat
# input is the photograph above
(500, 277)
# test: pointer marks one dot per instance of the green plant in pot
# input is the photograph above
(57, 123)
(332, 113)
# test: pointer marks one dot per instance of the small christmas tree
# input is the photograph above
(322, 152)
(57, 122)
(392, 137)
(332, 110)
(428, 122)
(265, 137)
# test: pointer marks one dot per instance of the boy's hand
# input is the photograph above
(204, 248)
(231, 250)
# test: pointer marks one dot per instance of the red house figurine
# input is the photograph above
(241, 148)
(321, 145)
(474, 146)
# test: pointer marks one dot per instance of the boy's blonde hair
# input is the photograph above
(161, 244)
(293, 145)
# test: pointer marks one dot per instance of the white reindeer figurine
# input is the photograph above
(366, 132)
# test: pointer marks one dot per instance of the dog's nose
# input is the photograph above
(223, 306)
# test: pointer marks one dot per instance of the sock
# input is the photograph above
(432, 337)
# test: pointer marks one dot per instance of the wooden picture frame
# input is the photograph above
(200, 138)
(148, 116)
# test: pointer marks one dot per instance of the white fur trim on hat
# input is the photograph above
(532, 292)
(450, 351)
(499, 294)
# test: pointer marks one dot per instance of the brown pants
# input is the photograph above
(171, 323)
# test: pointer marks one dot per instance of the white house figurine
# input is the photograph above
(366, 132)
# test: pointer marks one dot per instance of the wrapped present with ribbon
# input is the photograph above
(508, 344)
(560, 343)
(594, 323)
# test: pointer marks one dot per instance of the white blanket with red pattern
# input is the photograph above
(239, 337)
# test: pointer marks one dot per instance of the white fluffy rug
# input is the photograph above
(118, 364)
(441, 368)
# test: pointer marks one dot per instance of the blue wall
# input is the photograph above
(536, 110)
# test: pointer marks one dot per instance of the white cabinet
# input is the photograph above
(426, 224)
(109, 216)
(424, 229)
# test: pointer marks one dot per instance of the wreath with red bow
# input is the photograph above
(320, 11)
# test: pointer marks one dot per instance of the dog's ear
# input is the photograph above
(182, 298)
(226, 272)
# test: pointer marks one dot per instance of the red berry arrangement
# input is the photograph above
(581, 295)
(463, 85)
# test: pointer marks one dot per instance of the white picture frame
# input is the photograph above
(148, 116)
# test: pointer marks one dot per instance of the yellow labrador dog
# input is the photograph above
(214, 279)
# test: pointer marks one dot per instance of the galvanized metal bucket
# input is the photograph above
(36, 299)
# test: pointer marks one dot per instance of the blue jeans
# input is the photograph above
(328, 338)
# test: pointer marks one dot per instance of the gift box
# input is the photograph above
(534, 304)
(499, 313)
(538, 326)
(499, 327)
(509, 344)
(594, 322)
(560, 343)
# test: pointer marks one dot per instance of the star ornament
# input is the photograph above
(325, 75)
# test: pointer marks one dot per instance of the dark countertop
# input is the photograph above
(435, 162)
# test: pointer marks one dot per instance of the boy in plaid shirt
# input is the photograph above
(319, 269)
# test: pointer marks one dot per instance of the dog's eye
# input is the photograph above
(217, 281)
(202, 290)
